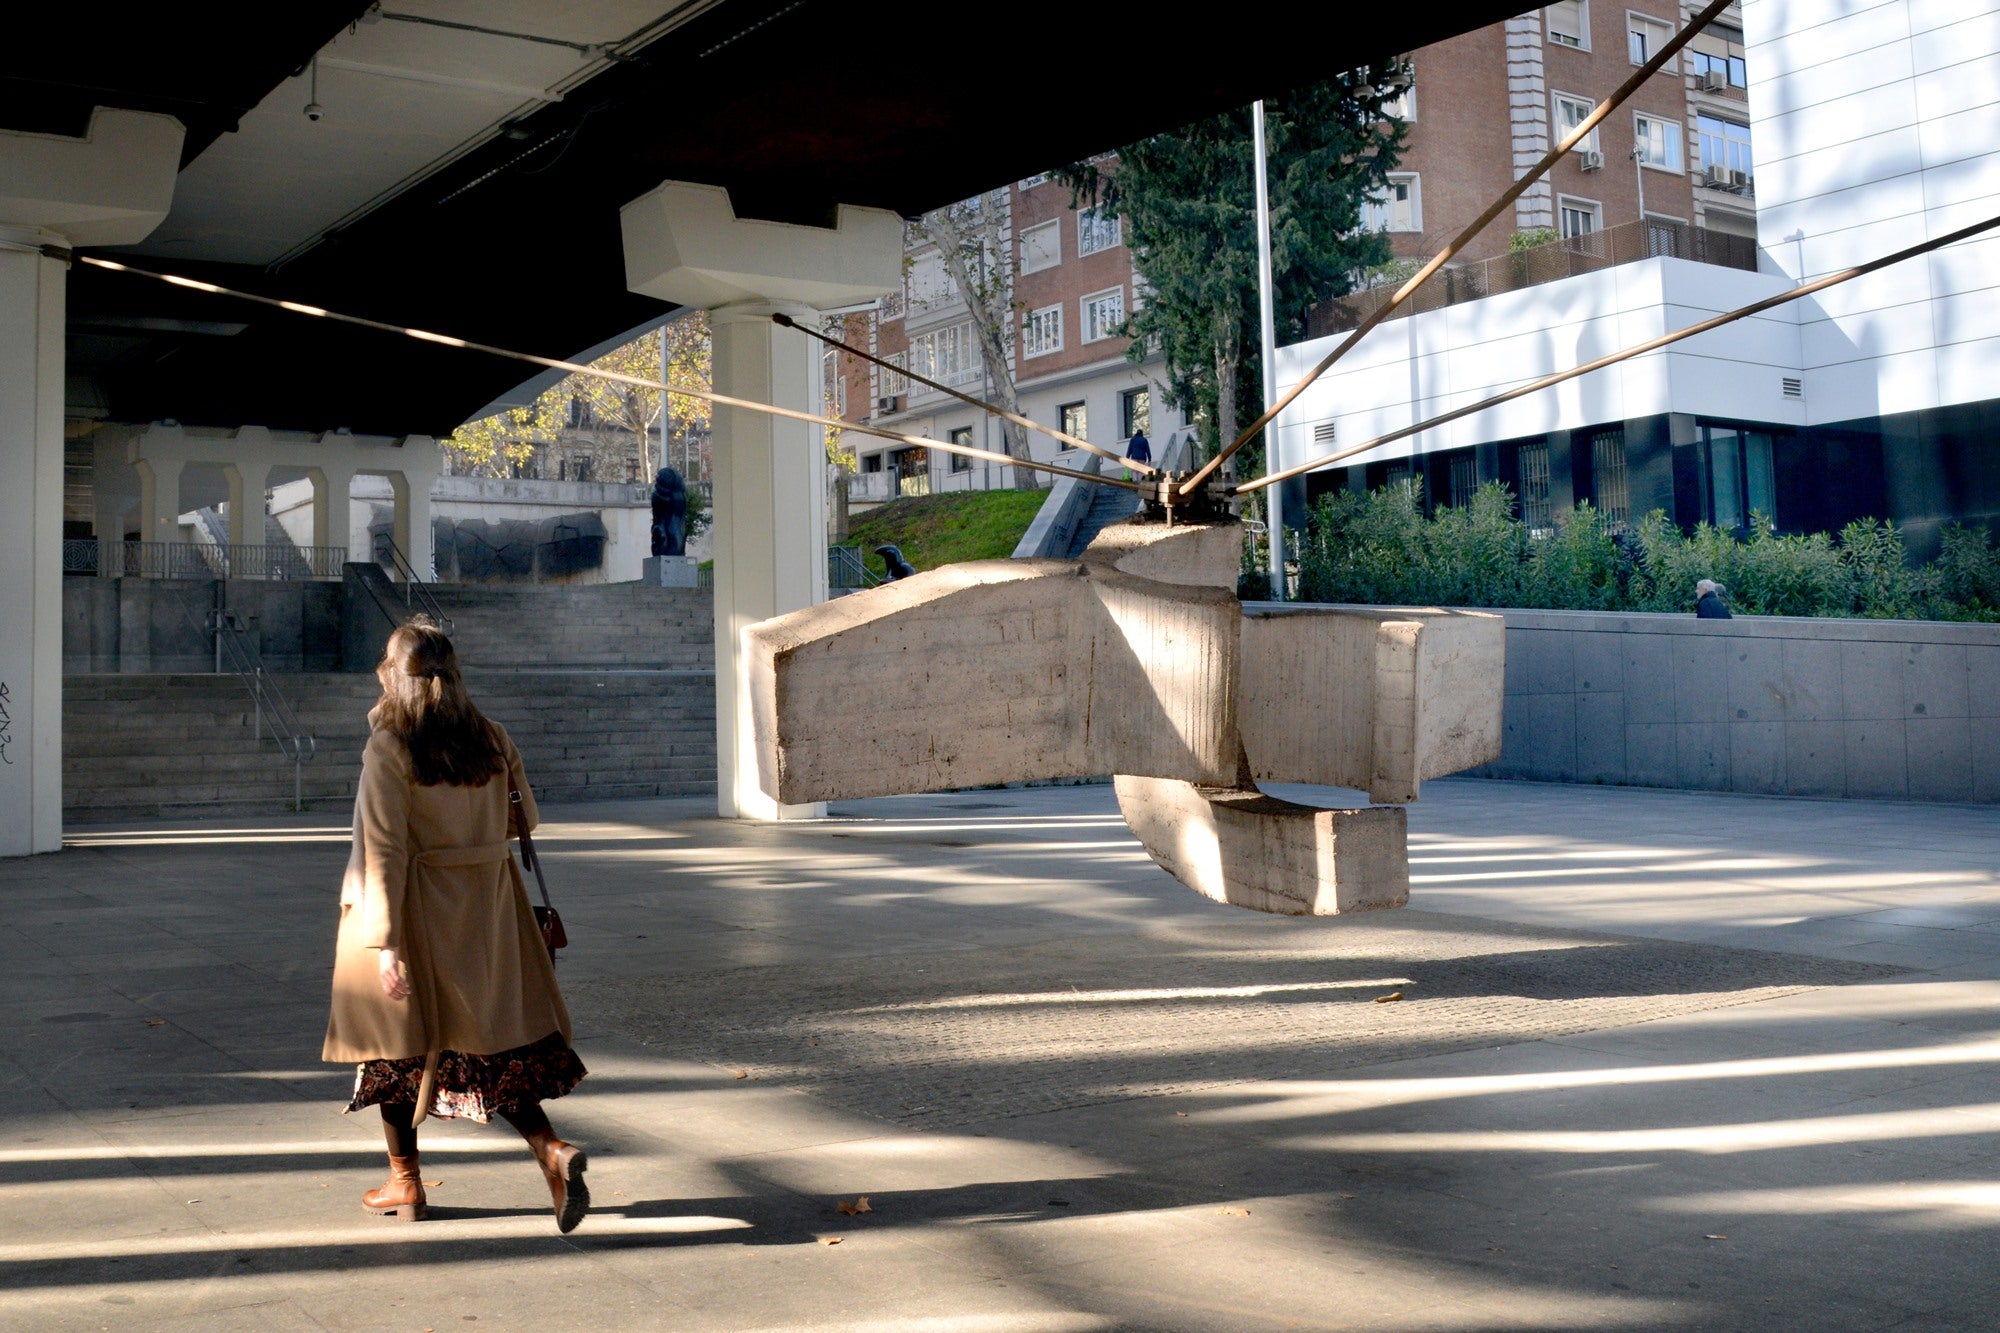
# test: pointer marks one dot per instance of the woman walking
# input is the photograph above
(443, 990)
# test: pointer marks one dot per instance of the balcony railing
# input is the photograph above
(1625, 244)
(200, 560)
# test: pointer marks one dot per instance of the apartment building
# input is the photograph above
(1873, 124)
(1073, 284)
(1489, 104)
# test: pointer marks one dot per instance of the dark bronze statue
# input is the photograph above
(892, 559)
(670, 507)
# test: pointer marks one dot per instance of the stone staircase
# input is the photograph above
(609, 691)
(1112, 504)
(623, 626)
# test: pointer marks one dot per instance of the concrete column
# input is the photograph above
(411, 526)
(332, 489)
(685, 244)
(159, 500)
(247, 481)
(770, 522)
(110, 187)
(108, 514)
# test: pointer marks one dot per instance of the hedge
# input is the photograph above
(1378, 547)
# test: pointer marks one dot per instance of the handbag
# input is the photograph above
(547, 918)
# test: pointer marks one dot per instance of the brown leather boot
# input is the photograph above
(402, 1195)
(562, 1165)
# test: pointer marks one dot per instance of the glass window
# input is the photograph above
(836, 384)
(1041, 246)
(1645, 36)
(1103, 312)
(1532, 461)
(949, 355)
(1579, 217)
(1463, 479)
(1715, 57)
(1398, 208)
(1073, 420)
(960, 435)
(871, 463)
(891, 377)
(1741, 482)
(1658, 142)
(1569, 23)
(1607, 469)
(1135, 413)
(1042, 331)
(1094, 233)
(1725, 148)
(1571, 112)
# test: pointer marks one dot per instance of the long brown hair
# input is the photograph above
(425, 706)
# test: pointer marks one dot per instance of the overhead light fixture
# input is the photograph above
(313, 109)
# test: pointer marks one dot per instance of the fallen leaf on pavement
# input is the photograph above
(1234, 1212)
(432, 1184)
(855, 1209)
(1715, 1238)
(156, 1022)
(743, 1073)
(829, 1240)
(1390, 998)
(1347, 1196)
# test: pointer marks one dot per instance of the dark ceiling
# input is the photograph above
(794, 105)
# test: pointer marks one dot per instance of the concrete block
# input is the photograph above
(1552, 737)
(1599, 663)
(1649, 678)
(1812, 681)
(1982, 681)
(1651, 754)
(1547, 663)
(1816, 758)
(1600, 733)
(1757, 757)
(1267, 854)
(1701, 755)
(1701, 679)
(1938, 751)
(1984, 734)
(1877, 757)
(1936, 681)
(1756, 678)
(1871, 680)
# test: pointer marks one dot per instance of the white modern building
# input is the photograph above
(1877, 125)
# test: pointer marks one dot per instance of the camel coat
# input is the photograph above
(431, 875)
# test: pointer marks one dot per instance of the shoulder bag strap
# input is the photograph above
(528, 855)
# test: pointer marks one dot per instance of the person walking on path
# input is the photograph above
(1708, 601)
(1139, 449)
(444, 995)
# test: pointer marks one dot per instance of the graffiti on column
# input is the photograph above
(6, 724)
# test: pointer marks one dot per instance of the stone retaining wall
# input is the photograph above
(1779, 705)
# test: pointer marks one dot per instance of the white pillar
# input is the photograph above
(685, 244)
(109, 187)
(333, 488)
(769, 520)
(411, 524)
(159, 500)
(247, 480)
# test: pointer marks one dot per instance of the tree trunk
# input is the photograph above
(1225, 391)
(840, 507)
(989, 298)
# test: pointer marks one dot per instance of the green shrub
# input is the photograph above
(1378, 547)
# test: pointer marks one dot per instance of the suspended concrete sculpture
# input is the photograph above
(1138, 660)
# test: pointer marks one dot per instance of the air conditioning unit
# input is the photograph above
(1713, 81)
(1717, 178)
(884, 406)
(1590, 160)
(1739, 180)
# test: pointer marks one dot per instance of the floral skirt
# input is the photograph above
(474, 1087)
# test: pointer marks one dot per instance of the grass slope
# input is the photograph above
(935, 530)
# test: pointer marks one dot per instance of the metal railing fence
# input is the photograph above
(417, 595)
(236, 652)
(200, 560)
(1627, 243)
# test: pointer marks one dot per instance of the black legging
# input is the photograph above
(399, 1129)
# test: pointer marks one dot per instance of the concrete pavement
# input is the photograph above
(1660, 1059)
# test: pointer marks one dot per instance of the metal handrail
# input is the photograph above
(294, 741)
(845, 569)
(417, 595)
